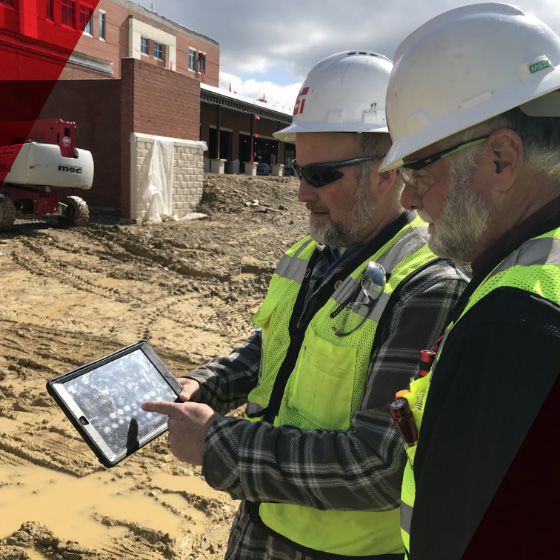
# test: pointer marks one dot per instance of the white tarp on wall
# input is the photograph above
(152, 180)
(157, 188)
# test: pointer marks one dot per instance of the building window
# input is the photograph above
(102, 23)
(158, 51)
(86, 24)
(50, 10)
(7, 2)
(144, 45)
(68, 8)
(192, 59)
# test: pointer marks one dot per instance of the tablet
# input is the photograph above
(102, 400)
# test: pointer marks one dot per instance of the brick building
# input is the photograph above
(120, 29)
(238, 131)
(131, 79)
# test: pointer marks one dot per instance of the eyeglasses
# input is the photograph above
(372, 284)
(321, 174)
(416, 177)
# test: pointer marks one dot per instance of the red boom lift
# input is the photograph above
(46, 160)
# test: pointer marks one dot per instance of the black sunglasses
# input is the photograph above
(321, 174)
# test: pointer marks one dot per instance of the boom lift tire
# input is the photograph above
(7, 212)
(77, 212)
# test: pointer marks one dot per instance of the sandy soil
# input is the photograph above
(71, 296)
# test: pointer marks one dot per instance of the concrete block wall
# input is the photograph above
(188, 175)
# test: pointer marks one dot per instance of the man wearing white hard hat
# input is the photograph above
(473, 106)
(317, 460)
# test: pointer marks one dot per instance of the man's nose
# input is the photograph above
(410, 199)
(306, 192)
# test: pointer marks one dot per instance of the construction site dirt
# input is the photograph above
(70, 296)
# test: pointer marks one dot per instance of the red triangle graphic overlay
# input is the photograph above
(34, 50)
(523, 515)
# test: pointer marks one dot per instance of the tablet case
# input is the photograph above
(107, 455)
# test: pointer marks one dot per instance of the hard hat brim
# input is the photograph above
(545, 106)
(288, 134)
(545, 103)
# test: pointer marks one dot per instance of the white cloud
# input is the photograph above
(282, 97)
(293, 35)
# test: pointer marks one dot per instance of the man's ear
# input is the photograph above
(385, 181)
(506, 149)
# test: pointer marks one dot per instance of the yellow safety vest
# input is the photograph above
(533, 267)
(325, 387)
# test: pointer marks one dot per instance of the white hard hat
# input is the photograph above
(466, 66)
(345, 92)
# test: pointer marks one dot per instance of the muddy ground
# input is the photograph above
(73, 295)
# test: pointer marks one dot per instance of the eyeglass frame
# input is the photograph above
(418, 164)
(371, 298)
(334, 165)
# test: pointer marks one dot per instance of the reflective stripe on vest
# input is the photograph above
(406, 516)
(325, 390)
(541, 252)
(293, 267)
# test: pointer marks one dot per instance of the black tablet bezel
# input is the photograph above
(73, 411)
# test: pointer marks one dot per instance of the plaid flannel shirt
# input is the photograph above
(356, 469)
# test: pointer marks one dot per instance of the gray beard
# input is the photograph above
(347, 233)
(465, 217)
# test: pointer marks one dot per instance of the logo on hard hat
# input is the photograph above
(300, 101)
(540, 65)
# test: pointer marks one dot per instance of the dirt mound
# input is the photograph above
(74, 295)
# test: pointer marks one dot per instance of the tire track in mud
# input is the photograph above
(39, 263)
(55, 457)
(55, 350)
(163, 257)
(58, 347)
(139, 542)
(40, 258)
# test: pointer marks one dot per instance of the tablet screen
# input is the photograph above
(110, 398)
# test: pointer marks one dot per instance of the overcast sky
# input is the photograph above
(268, 46)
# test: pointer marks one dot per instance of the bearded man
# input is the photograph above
(317, 461)
(473, 106)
